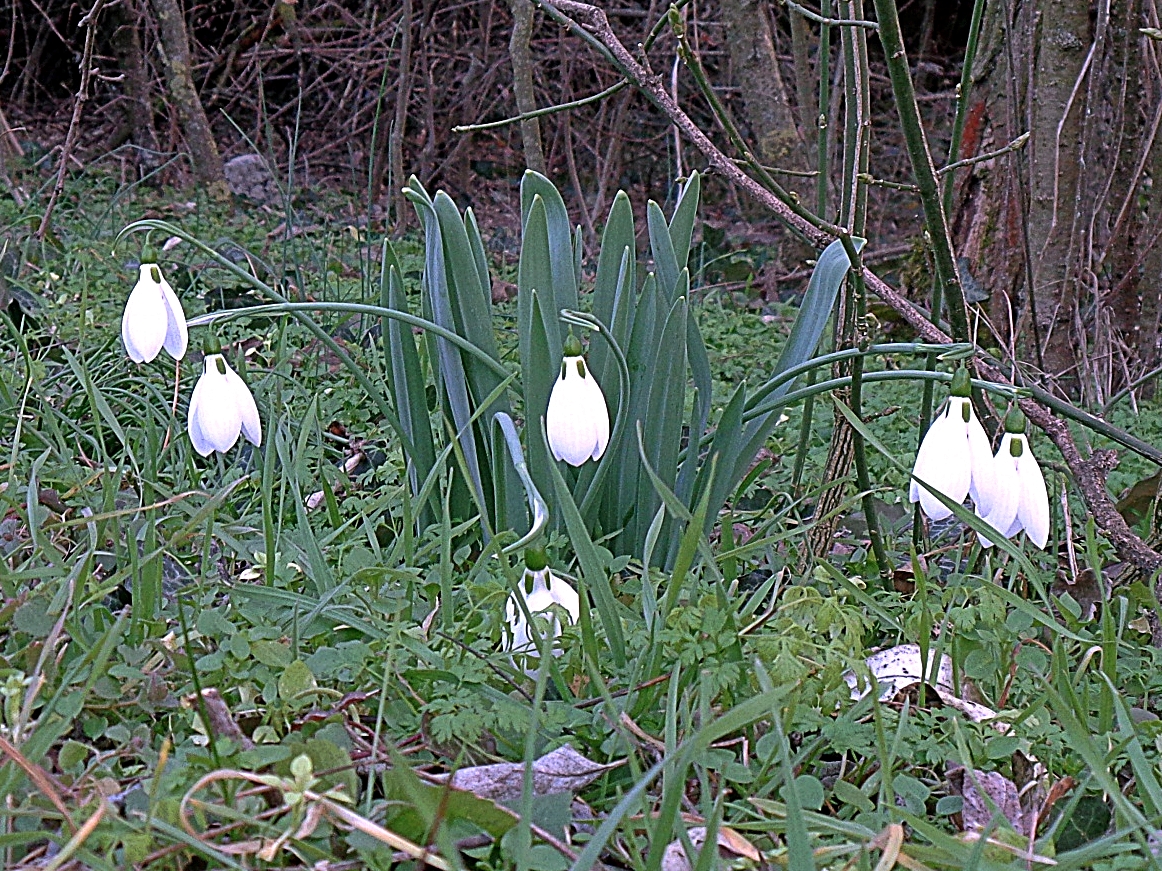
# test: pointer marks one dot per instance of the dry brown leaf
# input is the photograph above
(731, 847)
(562, 770)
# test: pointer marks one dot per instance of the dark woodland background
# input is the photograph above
(1057, 237)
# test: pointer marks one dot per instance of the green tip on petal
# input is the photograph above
(536, 559)
(211, 345)
(961, 384)
(1016, 447)
(573, 346)
(1015, 420)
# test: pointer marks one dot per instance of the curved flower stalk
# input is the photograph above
(222, 407)
(1021, 502)
(954, 458)
(577, 419)
(153, 317)
(545, 597)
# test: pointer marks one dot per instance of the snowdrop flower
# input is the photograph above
(153, 317)
(221, 408)
(545, 596)
(955, 457)
(577, 420)
(1021, 500)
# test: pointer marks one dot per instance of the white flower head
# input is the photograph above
(547, 598)
(1021, 502)
(577, 420)
(954, 458)
(153, 318)
(221, 408)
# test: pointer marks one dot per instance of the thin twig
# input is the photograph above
(90, 24)
(546, 110)
(823, 19)
(1019, 142)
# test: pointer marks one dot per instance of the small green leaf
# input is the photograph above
(295, 680)
(272, 653)
(72, 755)
(32, 618)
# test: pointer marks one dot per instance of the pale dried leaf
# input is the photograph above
(731, 846)
(898, 667)
(985, 794)
(562, 770)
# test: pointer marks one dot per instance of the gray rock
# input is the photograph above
(249, 176)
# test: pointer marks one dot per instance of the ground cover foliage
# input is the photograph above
(262, 659)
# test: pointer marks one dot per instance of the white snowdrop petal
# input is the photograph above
(176, 333)
(246, 407)
(942, 463)
(600, 416)
(577, 419)
(215, 416)
(193, 426)
(565, 596)
(982, 485)
(547, 592)
(143, 325)
(1007, 492)
(1033, 510)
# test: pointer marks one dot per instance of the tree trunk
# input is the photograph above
(756, 69)
(175, 47)
(522, 82)
(126, 41)
(1054, 176)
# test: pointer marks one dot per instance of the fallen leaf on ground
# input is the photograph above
(562, 770)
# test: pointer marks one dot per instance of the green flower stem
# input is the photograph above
(538, 508)
(1113, 433)
(921, 157)
(804, 436)
(375, 394)
(354, 308)
(1007, 391)
(862, 478)
(954, 351)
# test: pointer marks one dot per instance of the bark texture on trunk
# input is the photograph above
(520, 52)
(175, 48)
(751, 45)
(1054, 176)
(125, 38)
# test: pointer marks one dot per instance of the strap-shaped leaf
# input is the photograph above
(452, 375)
(558, 239)
(469, 289)
(682, 224)
(616, 270)
(535, 273)
(700, 412)
(470, 299)
(662, 423)
(540, 365)
(662, 248)
(818, 304)
(640, 356)
(405, 377)
(593, 572)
